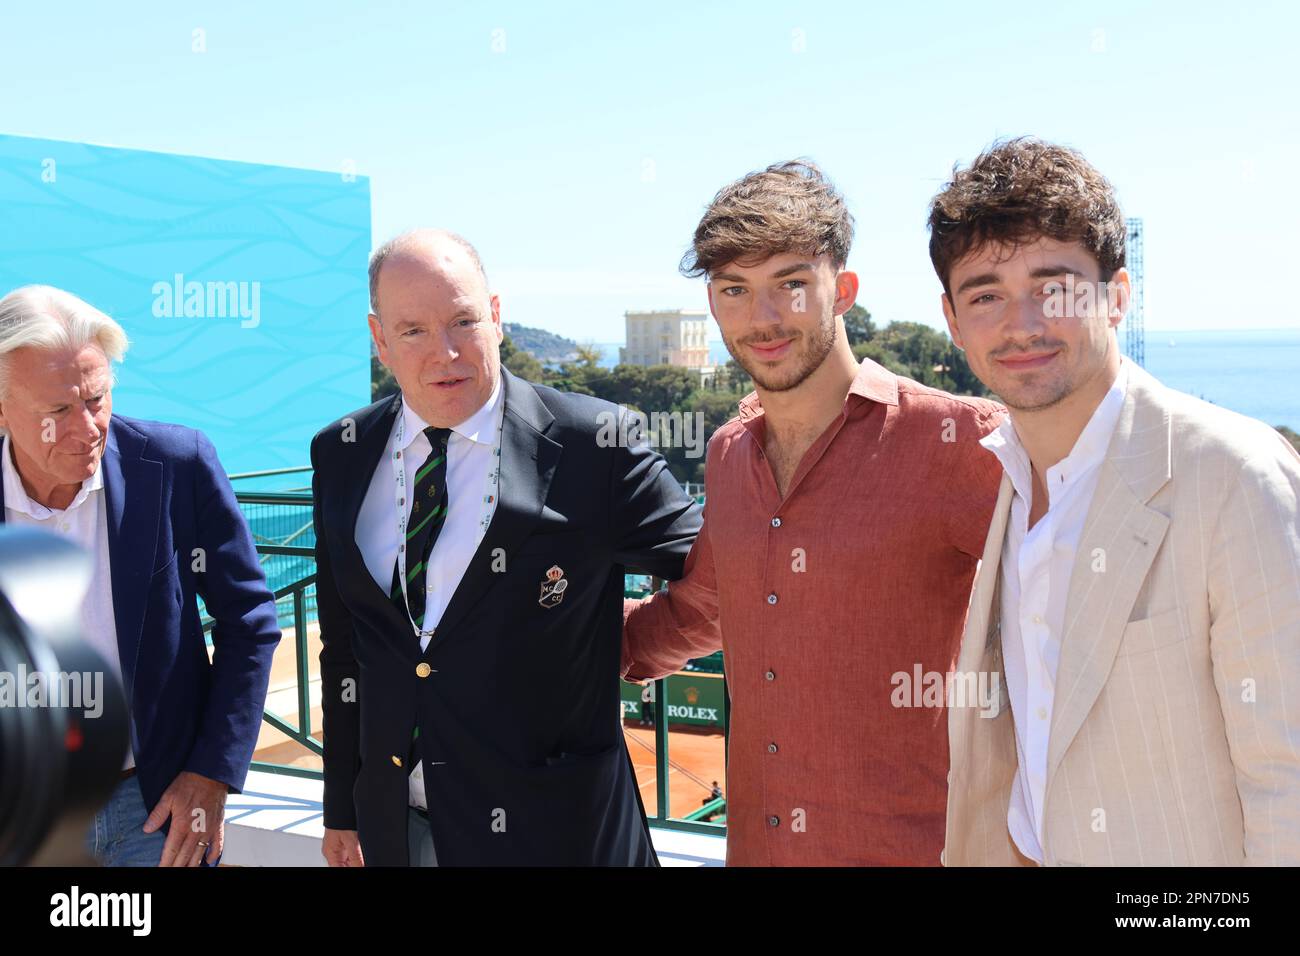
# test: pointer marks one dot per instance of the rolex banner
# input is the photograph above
(694, 698)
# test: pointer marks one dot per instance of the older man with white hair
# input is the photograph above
(152, 505)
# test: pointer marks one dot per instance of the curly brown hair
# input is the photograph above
(1020, 190)
(788, 207)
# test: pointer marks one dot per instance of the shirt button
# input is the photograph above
(1038, 619)
(774, 821)
(771, 748)
(771, 599)
(1042, 713)
(776, 522)
(770, 675)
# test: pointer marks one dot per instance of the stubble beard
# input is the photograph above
(815, 348)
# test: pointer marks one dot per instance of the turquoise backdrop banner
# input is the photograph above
(242, 287)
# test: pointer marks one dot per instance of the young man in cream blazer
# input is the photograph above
(1138, 600)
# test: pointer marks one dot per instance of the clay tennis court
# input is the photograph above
(695, 760)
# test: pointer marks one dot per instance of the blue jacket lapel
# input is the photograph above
(133, 518)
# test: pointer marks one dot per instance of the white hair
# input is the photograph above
(43, 317)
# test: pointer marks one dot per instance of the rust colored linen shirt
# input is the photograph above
(833, 607)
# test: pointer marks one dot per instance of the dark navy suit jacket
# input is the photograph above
(516, 698)
(166, 496)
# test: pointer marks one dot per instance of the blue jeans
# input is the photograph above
(117, 837)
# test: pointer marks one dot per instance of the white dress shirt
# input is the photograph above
(472, 471)
(1036, 566)
(85, 523)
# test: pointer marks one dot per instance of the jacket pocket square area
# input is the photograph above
(1152, 633)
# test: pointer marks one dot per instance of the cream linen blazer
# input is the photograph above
(1175, 732)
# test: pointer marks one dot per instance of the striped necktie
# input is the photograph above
(427, 516)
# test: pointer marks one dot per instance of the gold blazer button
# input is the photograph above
(423, 669)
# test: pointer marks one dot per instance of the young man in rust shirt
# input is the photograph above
(846, 510)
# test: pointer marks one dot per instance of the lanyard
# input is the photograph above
(487, 508)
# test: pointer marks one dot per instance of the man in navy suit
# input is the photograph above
(471, 538)
(151, 504)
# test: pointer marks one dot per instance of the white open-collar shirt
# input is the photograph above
(1035, 570)
(84, 522)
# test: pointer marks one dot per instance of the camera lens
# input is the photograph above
(63, 721)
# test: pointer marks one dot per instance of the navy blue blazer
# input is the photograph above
(167, 495)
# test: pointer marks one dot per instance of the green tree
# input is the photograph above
(858, 325)
(924, 354)
(963, 379)
(708, 411)
(588, 354)
(568, 383)
(735, 379)
(382, 383)
(520, 362)
(626, 385)
(668, 387)
(881, 355)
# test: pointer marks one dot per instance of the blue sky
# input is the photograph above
(576, 144)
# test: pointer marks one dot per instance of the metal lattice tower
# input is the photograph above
(1134, 324)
